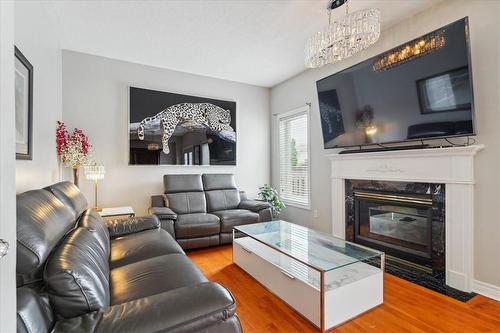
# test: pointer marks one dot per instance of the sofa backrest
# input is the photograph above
(184, 193)
(221, 192)
(42, 221)
(47, 233)
(77, 274)
(70, 196)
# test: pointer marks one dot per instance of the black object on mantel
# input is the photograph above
(378, 149)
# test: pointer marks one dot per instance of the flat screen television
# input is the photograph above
(419, 90)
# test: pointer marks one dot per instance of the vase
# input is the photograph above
(75, 175)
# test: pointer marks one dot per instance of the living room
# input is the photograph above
(249, 166)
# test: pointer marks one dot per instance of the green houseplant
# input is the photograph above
(269, 194)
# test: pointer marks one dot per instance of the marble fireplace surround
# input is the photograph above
(452, 166)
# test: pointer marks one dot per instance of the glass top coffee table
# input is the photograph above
(326, 279)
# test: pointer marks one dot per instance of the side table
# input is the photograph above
(113, 212)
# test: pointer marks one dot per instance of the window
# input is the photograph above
(293, 141)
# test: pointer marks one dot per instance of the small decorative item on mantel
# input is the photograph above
(269, 194)
(73, 149)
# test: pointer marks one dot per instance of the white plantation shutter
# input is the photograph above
(293, 141)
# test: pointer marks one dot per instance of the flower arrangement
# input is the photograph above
(269, 194)
(73, 149)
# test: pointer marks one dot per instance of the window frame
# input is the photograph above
(279, 117)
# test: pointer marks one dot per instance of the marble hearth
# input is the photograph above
(453, 167)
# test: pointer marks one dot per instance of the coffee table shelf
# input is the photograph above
(325, 279)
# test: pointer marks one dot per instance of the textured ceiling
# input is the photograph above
(251, 41)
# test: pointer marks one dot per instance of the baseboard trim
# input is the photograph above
(486, 289)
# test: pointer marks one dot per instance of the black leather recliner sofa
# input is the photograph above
(201, 210)
(78, 273)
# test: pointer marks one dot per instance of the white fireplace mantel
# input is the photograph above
(453, 167)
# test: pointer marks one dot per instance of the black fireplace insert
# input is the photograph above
(398, 224)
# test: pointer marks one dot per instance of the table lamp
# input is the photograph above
(95, 173)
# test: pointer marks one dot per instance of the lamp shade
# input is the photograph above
(95, 172)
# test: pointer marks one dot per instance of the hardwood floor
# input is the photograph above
(407, 307)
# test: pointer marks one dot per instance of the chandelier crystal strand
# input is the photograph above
(343, 38)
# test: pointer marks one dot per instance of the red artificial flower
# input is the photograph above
(72, 148)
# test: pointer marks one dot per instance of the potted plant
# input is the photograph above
(73, 149)
(269, 194)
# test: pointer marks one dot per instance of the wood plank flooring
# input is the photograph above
(407, 307)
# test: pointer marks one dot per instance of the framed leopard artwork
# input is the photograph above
(168, 128)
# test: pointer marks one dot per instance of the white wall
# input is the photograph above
(95, 99)
(7, 164)
(36, 38)
(485, 37)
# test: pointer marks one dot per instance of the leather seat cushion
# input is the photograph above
(77, 275)
(153, 276)
(235, 217)
(196, 225)
(142, 245)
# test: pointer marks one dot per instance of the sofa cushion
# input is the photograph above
(222, 199)
(218, 181)
(235, 217)
(196, 225)
(142, 245)
(42, 220)
(153, 276)
(92, 220)
(182, 183)
(70, 195)
(77, 275)
(186, 202)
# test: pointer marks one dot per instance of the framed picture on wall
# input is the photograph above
(173, 129)
(445, 92)
(24, 106)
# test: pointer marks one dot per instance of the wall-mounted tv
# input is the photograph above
(419, 90)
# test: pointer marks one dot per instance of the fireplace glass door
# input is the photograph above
(400, 227)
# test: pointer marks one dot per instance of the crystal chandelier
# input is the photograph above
(409, 51)
(343, 38)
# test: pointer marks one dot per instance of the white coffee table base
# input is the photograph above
(346, 292)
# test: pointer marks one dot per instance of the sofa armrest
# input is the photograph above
(121, 227)
(163, 213)
(187, 309)
(157, 201)
(254, 205)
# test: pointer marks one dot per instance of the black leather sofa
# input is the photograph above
(201, 210)
(78, 273)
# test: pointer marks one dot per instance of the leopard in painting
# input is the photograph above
(206, 114)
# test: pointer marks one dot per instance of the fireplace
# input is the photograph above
(398, 224)
(431, 171)
(405, 220)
